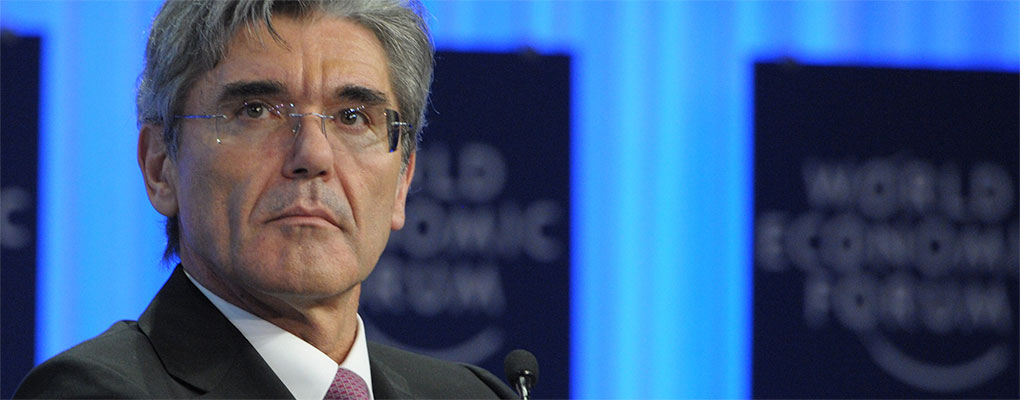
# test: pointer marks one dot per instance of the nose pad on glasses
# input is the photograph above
(299, 116)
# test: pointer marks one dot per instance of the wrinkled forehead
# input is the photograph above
(314, 59)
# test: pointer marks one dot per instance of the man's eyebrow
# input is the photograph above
(361, 94)
(247, 89)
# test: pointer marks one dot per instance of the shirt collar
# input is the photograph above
(304, 370)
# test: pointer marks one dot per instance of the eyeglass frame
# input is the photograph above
(391, 123)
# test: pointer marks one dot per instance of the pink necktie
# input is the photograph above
(347, 386)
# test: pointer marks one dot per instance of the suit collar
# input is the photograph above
(201, 348)
(387, 383)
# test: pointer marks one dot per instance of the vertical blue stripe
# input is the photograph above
(609, 293)
(590, 336)
(542, 26)
(587, 318)
(944, 40)
(706, 267)
(1001, 40)
(817, 26)
(100, 240)
(622, 165)
(669, 151)
(54, 169)
(736, 211)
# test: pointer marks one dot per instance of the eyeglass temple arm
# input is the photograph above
(201, 116)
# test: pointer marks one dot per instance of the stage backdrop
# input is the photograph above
(885, 233)
(482, 265)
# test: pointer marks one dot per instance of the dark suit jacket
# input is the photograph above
(182, 346)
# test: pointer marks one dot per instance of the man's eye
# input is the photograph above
(254, 110)
(353, 116)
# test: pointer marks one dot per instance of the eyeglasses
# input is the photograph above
(258, 123)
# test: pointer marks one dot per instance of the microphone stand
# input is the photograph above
(523, 383)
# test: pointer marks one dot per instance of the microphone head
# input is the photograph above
(521, 363)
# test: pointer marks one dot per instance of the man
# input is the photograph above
(278, 139)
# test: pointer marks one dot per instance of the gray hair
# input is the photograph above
(189, 38)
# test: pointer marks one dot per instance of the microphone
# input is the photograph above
(521, 369)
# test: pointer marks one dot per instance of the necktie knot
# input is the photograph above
(347, 385)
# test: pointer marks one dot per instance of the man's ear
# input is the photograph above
(400, 200)
(158, 170)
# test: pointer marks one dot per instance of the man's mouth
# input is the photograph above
(306, 216)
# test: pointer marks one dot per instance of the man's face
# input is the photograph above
(304, 219)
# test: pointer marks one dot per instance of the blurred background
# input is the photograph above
(661, 133)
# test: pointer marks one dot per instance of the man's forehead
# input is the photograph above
(320, 56)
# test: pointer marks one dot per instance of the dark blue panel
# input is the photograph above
(886, 233)
(19, 78)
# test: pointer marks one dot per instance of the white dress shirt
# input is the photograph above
(304, 370)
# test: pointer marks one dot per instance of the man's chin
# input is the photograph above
(303, 280)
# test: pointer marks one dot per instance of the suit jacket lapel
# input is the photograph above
(386, 382)
(201, 348)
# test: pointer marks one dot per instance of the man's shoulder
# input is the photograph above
(112, 364)
(111, 346)
(427, 377)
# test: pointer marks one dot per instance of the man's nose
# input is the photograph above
(311, 153)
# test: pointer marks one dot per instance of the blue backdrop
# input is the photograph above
(661, 150)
